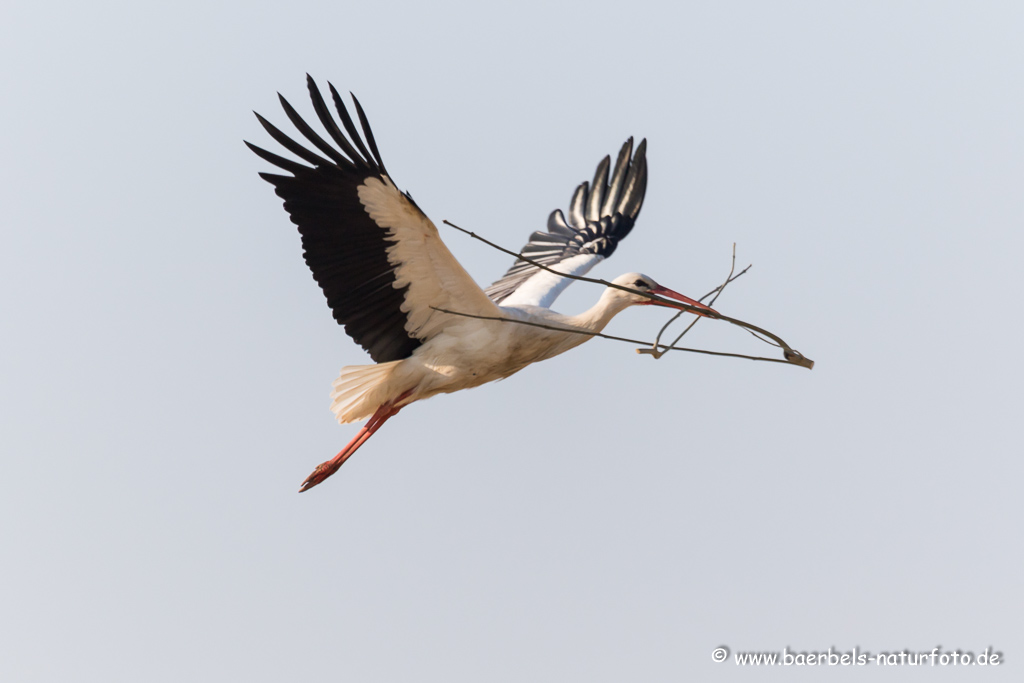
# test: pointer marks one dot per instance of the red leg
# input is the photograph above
(326, 469)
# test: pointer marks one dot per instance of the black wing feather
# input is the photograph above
(343, 247)
(597, 190)
(369, 133)
(599, 217)
(289, 144)
(615, 186)
(281, 162)
(346, 120)
(324, 114)
(310, 134)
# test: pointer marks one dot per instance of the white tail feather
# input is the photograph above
(360, 390)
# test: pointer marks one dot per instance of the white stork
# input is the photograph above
(384, 270)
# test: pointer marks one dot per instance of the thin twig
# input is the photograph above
(612, 337)
(791, 355)
(755, 335)
(720, 290)
(717, 291)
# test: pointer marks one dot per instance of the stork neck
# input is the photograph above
(600, 314)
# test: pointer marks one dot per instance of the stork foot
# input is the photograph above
(322, 471)
(326, 469)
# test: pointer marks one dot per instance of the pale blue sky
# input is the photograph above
(166, 357)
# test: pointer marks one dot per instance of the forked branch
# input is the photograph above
(654, 350)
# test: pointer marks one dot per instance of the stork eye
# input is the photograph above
(640, 284)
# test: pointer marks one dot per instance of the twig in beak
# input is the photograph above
(791, 355)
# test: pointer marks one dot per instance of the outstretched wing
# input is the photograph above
(599, 216)
(378, 259)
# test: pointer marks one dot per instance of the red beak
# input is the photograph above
(669, 294)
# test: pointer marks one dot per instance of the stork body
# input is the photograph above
(472, 352)
(386, 273)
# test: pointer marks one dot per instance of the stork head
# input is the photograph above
(646, 284)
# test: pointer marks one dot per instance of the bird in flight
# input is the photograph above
(402, 296)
